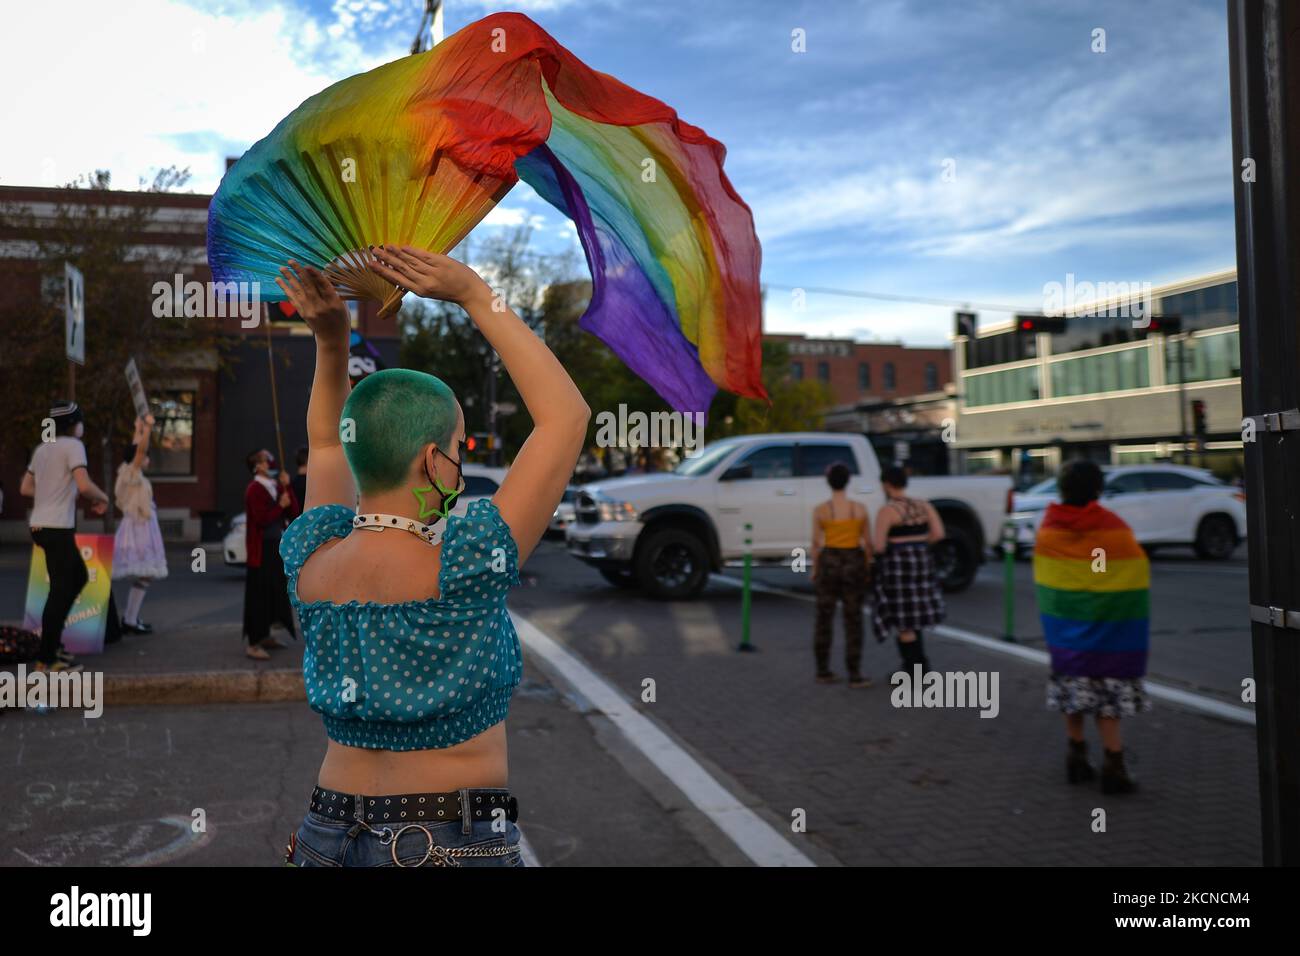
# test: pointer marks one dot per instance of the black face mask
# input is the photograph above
(449, 495)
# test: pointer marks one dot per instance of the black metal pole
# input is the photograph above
(1264, 63)
(1182, 398)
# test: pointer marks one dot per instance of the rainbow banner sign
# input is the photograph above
(84, 631)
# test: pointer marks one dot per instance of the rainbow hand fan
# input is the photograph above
(418, 151)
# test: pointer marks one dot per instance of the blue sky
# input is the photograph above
(1115, 166)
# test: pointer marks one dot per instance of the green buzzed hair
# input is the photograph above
(395, 413)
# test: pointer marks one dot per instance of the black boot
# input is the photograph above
(905, 656)
(1077, 768)
(1114, 777)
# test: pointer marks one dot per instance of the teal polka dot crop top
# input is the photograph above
(420, 674)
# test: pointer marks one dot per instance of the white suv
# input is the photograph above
(1163, 504)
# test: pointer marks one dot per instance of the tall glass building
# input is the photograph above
(1106, 390)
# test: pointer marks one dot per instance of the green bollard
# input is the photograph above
(745, 645)
(1009, 582)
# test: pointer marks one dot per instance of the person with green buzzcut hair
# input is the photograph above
(411, 655)
(391, 416)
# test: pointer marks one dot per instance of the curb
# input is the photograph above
(205, 687)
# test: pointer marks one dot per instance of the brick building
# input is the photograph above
(213, 410)
(859, 370)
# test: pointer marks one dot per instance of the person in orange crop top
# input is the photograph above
(841, 569)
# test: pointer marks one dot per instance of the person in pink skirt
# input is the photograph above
(138, 547)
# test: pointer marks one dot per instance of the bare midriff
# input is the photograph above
(478, 762)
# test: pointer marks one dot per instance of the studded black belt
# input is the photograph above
(416, 807)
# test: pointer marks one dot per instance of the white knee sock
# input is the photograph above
(133, 602)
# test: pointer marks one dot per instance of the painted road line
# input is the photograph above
(1197, 702)
(756, 838)
(526, 850)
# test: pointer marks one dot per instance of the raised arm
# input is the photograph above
(543, 467)
(329, 479)
(143, 430)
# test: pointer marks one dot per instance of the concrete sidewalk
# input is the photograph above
(194, 665)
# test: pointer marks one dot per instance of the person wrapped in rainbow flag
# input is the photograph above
(1092, 581)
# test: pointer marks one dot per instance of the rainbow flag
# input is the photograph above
(1092, 579)
(419, 150)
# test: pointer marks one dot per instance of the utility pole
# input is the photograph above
(1264, 66)
(429, 34)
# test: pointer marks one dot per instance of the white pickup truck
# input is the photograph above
(666, 531)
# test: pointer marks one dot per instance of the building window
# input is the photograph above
(796, 371)
(931, 377)
(1001, 388)
(889, 376)
(864, 377)
(1107, 372)
(824, 371)
(1205, 359)
(171, 453)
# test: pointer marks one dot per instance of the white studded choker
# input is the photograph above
(382, 522)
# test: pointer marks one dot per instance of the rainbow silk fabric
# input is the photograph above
(418, 151)
(1092, 580)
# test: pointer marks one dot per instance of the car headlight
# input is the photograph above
(611, 509)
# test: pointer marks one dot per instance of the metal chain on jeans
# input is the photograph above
(441, 855)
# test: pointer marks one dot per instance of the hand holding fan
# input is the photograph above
(418, 151)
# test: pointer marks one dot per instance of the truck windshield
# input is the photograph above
(705, 462)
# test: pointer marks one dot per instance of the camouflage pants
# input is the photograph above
(841, 577)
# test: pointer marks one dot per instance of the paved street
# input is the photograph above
(878, 784)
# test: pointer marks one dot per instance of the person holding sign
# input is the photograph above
(54, 478)
(138, 547)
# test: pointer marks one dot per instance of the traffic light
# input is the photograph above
(964, 324)
(1163, 325)
(1033, 324)
(1199, 428)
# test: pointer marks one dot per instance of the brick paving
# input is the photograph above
(883, 785)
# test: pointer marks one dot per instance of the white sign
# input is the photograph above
(74, 310)
(137, 389)
(504, 408)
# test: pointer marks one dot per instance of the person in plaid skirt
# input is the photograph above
(907, 593)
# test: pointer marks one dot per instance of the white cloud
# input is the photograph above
(157, 83)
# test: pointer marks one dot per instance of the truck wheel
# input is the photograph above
(1216, 538)
(618, 576)
(955, 560)
(672, 564)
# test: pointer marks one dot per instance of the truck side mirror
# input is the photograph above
(738, 473)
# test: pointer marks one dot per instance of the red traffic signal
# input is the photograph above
(1033, 324)
(1198, 416)
(471, 442)
(1164, 325)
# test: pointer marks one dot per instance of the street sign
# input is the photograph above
(137, 389)
(74, 313)
(504, 408)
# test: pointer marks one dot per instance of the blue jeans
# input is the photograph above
(321, 841)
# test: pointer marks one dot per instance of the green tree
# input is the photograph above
(796, 405)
